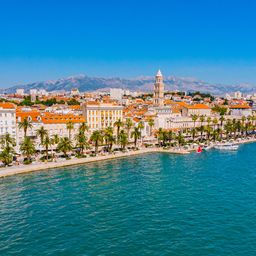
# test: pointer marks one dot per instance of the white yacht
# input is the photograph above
(227, 146)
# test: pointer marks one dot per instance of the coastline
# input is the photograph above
(9, 171)
(14, 170)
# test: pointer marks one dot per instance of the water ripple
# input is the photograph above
(155, 204)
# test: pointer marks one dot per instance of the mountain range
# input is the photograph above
(144, 83)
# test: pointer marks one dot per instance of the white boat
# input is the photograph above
(227, 146)
(208, 147)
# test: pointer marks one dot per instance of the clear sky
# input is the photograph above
(213, 40)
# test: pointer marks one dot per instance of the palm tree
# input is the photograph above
(27, 148)
(159, 135)
(97, 138)
(6, 157)
(136, 135)
(208, 130)
(7, 143)
(123, 138)
(151, 123)
(170, 136)
(180, 138)
(41, 132)
(64, 146)
(228, 128)
(46, 143)
(109, 138)
(193, 133)
(194, 119)
(81, 141)
(128, 126)
(141, 127)
(83, 127)
(202, 119)
(25, 125)
(118, 124)
(222, 119)
(70, 127)
(56, 138)
(215, 122)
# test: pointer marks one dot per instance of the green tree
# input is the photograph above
(141, 127)
(118, 124)
(194, 119)
(109, 138)
(180, 138)
(25, 125)
(41, 132)
(6, 157)
(136, 135)
(7, 144)
(7, 141)
(151, 124)
(123, 138)
(128, 126)
(81, 140)
(96, 138)
(70, 127)
(27, 148)
(202, 119)
(64, 146)
(83, 127)
(46, 143)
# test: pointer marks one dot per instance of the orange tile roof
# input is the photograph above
(168, 102)
(7, 105)
(21, 115)
(75, 107)
(239, 106)
(49, 118)
(135, 119)
(197, 106)
(181, 103)
(60, 119)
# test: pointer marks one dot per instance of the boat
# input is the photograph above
(199, 150)
(208, 147)
(227, 146)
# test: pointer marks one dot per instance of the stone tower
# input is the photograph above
(159, 90)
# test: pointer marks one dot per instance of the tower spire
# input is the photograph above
(159, 73)
(159, 89)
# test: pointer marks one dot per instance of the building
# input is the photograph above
(159, 90)
(101, 115)
(238, 95)
(163, 114)
(116, 93)
(74, 92)
(42, 92)
(240, 110)
(33, 94)
(20, 92)
(197, 109)
(7, 119)
(55, 124)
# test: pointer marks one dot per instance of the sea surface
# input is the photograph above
(153, 204)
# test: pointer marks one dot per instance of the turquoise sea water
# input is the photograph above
(155, 204)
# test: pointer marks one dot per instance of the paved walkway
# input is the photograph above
(4, 172)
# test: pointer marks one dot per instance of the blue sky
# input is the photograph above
(209, 39)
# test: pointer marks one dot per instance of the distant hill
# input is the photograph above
(86, 83)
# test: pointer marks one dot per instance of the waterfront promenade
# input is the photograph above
(4, 172)
(8, 171)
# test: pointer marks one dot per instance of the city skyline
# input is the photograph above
(209, 41)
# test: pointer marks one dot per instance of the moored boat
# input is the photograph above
(227, 146)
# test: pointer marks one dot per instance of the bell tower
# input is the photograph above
(159, 89)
